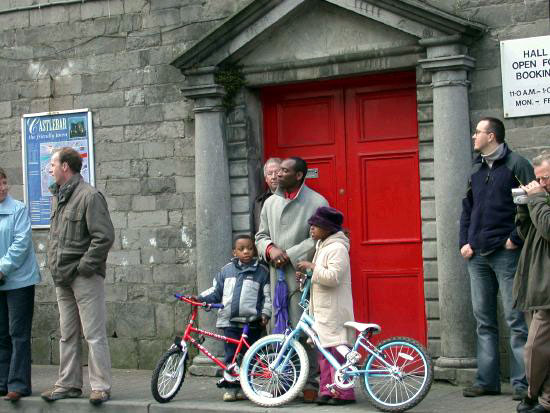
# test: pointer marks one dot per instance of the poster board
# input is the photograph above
(525, 69)
(41, 135)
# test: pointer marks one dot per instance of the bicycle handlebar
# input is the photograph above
(188, 299)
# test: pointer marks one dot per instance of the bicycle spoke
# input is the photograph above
(401, 378)
(274, 383)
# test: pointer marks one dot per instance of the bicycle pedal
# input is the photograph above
(222, 384)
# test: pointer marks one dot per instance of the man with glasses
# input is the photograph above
(491, 245)
(532, 285)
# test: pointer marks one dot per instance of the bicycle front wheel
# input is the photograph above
(267, 387)
(168, 375)
(404, 381)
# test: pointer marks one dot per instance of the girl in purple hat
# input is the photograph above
(331, 302)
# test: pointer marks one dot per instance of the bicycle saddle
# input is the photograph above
(363, 326)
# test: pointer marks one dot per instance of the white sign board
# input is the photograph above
(525, 66)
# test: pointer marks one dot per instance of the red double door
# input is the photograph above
(360, 140)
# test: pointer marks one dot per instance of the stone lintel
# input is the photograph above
(258, 76)
(335, 59)
(201, 70)
(441, 40)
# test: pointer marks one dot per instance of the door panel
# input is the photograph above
(391, 179)
(384, 183)
(360, 137)
(309, 125)
(318, 130)
(376, 106)
(392, 293)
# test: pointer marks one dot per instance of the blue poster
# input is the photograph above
(42, 134)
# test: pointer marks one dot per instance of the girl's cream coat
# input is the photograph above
(331, 298)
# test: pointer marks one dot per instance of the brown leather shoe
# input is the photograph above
(57, 393)
(98, 396)
(13, 396)
(310, 395)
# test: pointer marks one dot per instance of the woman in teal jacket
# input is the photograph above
(18, 275)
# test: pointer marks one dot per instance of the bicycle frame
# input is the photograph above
(305, 325)
(190, 329)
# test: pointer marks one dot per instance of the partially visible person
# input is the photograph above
(19, 274)
(242, 286)
(271, 168)
(491, 246)
(283, 239)
(331, 301)
(81, 235)
(532, 285)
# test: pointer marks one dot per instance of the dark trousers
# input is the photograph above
(16, 310)
(254, 333)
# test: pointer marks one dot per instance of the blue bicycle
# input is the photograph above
(395, 377)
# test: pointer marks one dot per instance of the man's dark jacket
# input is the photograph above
(81, 232)
(488, 209)
(532, 280)
(258, 205)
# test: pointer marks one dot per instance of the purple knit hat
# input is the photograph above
(327, 218)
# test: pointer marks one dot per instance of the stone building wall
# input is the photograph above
(114, 58)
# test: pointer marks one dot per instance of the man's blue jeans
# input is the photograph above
(488, 275)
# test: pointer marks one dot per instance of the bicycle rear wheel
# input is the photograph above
(168, 375)
(405, 382)
(270, 388)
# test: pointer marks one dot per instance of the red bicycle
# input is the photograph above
(170, 371)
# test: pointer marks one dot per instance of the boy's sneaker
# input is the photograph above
(99, 396)
(239, 394)
(310, 395)
(58, 393)
(230, 395)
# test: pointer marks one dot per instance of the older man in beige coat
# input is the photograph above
(283, 238)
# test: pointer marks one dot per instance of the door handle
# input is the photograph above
(341, 191)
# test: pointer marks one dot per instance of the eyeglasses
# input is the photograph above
(479, 132)
(540, 178)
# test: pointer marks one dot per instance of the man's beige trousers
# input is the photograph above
(82, 308)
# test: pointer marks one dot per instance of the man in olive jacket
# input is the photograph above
(81, 234)
(532, 285)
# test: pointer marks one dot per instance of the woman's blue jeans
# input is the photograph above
(16, 311)
(488, 275)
